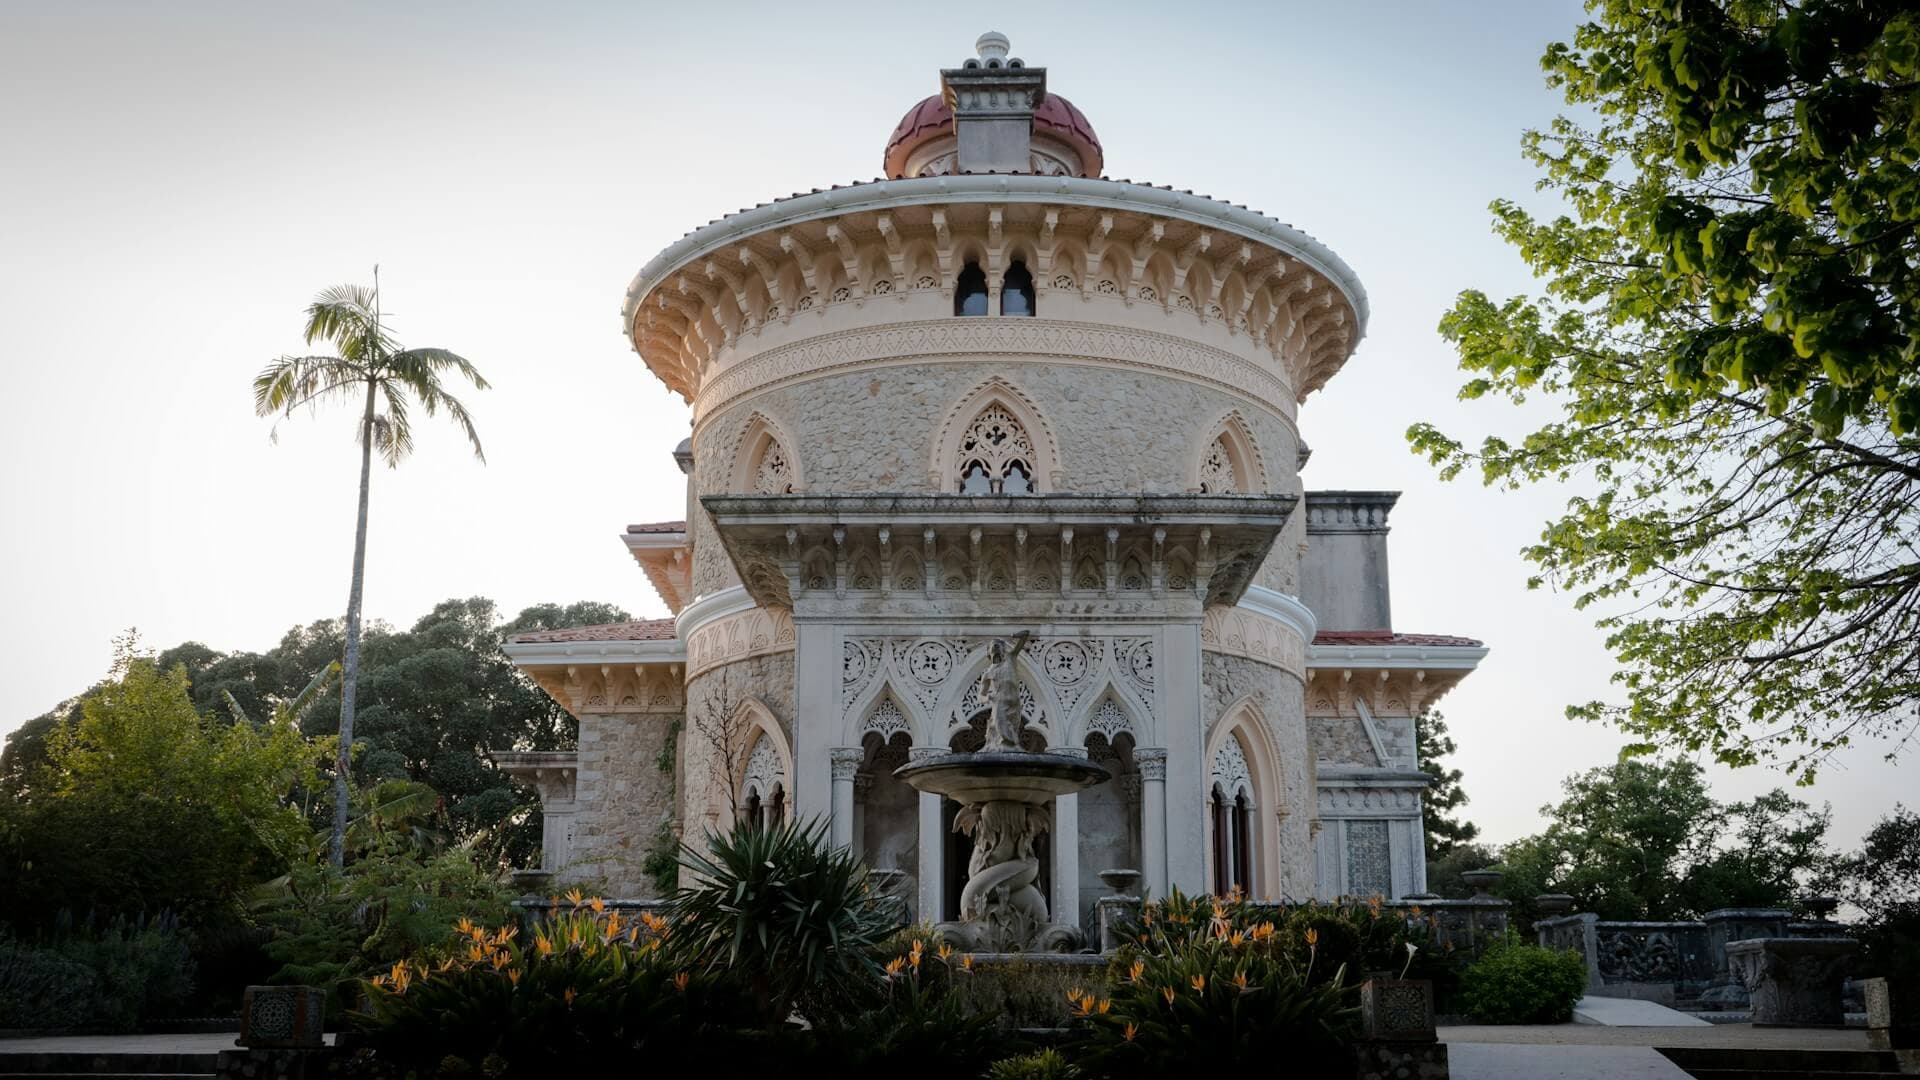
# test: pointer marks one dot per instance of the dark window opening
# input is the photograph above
(970, 297)
(1016, 290)
(1222, 868)
(1242, 844)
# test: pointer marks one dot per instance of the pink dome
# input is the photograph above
(932, 118)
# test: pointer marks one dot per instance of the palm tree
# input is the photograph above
(369, 364)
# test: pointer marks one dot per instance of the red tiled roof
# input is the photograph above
(1388, 637)
(637, 630)
(658, 527)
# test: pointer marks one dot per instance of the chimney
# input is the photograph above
(993, 98)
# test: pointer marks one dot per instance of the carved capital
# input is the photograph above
(846, 761)
(1152, 762)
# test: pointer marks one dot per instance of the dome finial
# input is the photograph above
(992, 45)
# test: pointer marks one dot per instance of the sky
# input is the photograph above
(177, 181)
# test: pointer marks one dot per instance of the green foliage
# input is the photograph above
(1444, 873)
(1194, 1004)
(113, 975)
(1321, 941)
(783, 906)
(923, 1023)
(583, 994)
(1728, 333)
(143, 804)
(1523, 984)
(1042, 1065)
(1444, 797)
(1646, 840)
(401, 893)
(1882, 879)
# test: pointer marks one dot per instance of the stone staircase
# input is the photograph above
(1729, 1063)
(107, 1066)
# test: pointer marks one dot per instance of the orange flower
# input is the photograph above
(895, 965)
(1199, 983)
(1167, 992)
(680, 980)
(966, 962)
(1238, 939)
(1105, 1004)
(1240, 980)
(543, 946)
(464, 926)
(1134, 972)
(1313, 937)
(574, 897)
(1074, 995)
(500, 959)
(597, 904)
(514, 976)
(570, 995)
(945, 951)
(1130, 1032)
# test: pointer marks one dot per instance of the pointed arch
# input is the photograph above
(1109, 711)
(1228, 461)
(763, 778)
(999, 413)
(763, 459)
(867, 713)
(1245, 800)
(961, 696)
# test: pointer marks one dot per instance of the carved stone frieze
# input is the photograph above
(1238, 632)
(738, 636)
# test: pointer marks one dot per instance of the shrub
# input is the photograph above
(1515, 983)
(1216, 1002)
(923, 1023)
(1044, 1065)
(114, 975)
(584, 993)
(793, 915)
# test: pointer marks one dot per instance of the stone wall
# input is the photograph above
(1115, 430)
(709, 787)
(625, 798)
(1277, 695)
(1340, 740)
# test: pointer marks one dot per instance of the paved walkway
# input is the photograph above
(1592, 1052)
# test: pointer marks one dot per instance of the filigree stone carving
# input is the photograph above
(887, 720)
(736, 637)
(1216, 471)
(1109, 719)
(1230, 768)
(1239, 632)
(1151, 761)
(1642, 955)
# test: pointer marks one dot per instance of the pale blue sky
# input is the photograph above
(176, 181)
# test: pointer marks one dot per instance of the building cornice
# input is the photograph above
(1281, 608)
(1460, 658)
(526, 654)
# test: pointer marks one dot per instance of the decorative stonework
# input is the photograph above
(1216, 470)
(1369, 859)
(1109, 720)
(995, 456)
(757, 632)
(1230, 773)
(968, 340)
(1138, 661)
(1236, 631)
(1152, 762)
(764, 768)
(887, 720)
(1354, 801)
(772, 475)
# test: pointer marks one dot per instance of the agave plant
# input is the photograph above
(791, 915)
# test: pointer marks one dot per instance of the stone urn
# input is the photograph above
(1121, 882)
(1553, 905)
(1482, 881)
(1820, 908)
(531, 884)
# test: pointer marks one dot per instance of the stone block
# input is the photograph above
(282, 1017)
(270, 1064)
(1399, 1061)
(1893, 1013)
(1794, 982)
(1397, 1010)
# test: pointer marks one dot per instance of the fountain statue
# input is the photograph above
(1003, 792)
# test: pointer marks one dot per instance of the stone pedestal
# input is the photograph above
(1397, 1010)
(1793, 982)
(282, 1017)
(1399, 1061)
(1726, 926)
(1893, 1014)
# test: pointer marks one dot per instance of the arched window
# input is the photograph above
(1242, 844)
(1222, 834)
(755, 813)
(1217, 475)
(970, 298)
(1231, 806)
(763, 798)
(773, 473)
(996, 455)
(1016, 290)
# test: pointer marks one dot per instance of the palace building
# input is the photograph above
(996, 392)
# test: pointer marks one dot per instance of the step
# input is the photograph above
(1753, 1063)
(30, 1063)
(105, 1076)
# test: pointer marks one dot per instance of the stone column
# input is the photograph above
(1176, 676)
(933, 843)
(1152, 763)
(845, 763)
(1066, 848)
(816, 696)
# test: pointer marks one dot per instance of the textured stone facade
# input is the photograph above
(626, 797)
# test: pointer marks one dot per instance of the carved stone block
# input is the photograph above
(282, 1017)
(1397, 1010)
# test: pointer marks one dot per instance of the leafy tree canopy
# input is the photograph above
(1728, 333)
(143, 804)
(1646, 840)
(1446, 831)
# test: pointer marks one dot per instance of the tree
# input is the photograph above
(144, 804)
(1445, 830)
(370, 363)
(1646, 840)
(1728, 335)
(1882, 880)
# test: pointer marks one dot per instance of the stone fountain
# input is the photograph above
(1003, 792)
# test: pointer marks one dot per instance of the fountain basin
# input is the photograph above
(1017, 776)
